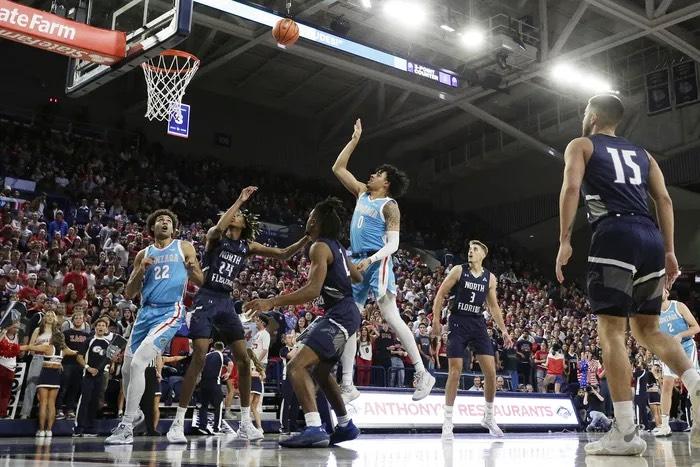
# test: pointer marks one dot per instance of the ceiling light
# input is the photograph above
(366, 3)
(447, 28)
(473, 37)
(408, 13)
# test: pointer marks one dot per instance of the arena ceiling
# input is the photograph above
(619, 40)
(240, 59)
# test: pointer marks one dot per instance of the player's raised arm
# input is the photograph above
(194, 271)
(664, 214)
(218, 230)
(279, 253)
(340, 168)
(133, 285)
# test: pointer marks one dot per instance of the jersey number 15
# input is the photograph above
(627, 155)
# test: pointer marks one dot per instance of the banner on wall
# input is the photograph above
(386, 410)
(658, 91)
(685, 83)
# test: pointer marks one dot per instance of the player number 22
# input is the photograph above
(627, 155)
(162, 272)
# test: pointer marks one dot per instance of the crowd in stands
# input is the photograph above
(67, 257)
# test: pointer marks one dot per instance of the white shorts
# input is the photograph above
(692, 353)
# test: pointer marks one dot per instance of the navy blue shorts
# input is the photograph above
(327, 336)
(50, 378)
(626, 264)
(215, 317)
(467, 331)
(256, 385)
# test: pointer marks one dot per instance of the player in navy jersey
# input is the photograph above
(160, 275)
(627, 261)
(472, 286)
(228, 245)
(374, 237)
(321, 344)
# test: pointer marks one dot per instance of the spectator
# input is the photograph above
(478, 384)
(41, 336)
(77, 339)
(49, 381)
(9, 350)
(555, 369)
(58, 225)
(363, 364)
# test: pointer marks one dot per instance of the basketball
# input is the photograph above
(286, 32)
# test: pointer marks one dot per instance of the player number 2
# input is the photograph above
(627, 155)
(162, 272)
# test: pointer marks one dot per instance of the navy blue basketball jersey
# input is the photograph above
(223, 263)
(337, 285)
(616, 178)
(470, 292)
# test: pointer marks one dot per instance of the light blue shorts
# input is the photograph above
(156, 326)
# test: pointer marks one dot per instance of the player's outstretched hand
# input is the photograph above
(253, 307)
(672, 269)
(246, 193)
(563, 258)
(357, 130)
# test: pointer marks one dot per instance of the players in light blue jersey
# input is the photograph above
(160, 275)
(374, 237)
(675, 320)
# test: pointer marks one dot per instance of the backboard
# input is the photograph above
(151, 26)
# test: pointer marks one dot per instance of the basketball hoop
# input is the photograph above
(167, 76)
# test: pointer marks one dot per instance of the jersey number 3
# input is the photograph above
(162, 272)
(627, 155)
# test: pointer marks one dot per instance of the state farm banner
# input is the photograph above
(50, 32)
(379, 409)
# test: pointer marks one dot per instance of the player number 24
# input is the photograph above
(627, 155)
(162, 272)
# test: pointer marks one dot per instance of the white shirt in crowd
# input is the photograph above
(261, 346)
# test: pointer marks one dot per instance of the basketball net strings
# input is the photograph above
(167, 77)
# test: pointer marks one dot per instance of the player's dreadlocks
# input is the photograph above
(252, 225)
(328, 213)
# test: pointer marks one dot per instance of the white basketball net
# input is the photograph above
(167, 76)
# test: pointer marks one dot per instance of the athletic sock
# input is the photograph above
(343, 420)
(488, 410)
(313, 419)
(448, 412)
(180, 415)
(624, 415)
(664, 420)
(245, 414)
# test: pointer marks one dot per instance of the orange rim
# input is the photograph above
(172, 53)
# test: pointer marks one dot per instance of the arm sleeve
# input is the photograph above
(389, 248)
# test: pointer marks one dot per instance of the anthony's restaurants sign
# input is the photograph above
(376, 409)
(47, 31)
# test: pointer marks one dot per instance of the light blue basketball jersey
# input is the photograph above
(368, 228)
(671, 321)
(166, 278)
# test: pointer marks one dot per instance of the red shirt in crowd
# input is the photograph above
(555, 365)
(80, 282)
(28, 294)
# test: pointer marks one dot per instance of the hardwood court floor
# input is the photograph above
(401, 450)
